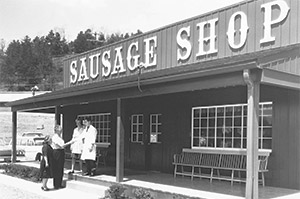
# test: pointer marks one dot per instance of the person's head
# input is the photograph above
(87, 121)
(78, 122)
(47, 139)
(57, 129)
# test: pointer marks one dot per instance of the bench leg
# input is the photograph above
(211, 175)
(239, 173)
(263, 178)
(175, 171)
(193, 169)
(232, 176)
(218, 171)
(200, 173)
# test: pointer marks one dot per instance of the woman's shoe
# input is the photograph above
(44, 188)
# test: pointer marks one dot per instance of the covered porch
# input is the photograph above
(166, 186)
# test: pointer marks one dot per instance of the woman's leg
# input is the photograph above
(80, 165)
(88, 166)
(73, 164)
(93, 168)
(44, 187)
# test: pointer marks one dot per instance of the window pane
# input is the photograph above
(228, 121)
(203, 122)
(220, 121)
(196, 133)
(267, 144)
(140, 137)
(267, 133)
(237, 143)
(134, 129)
(228, 143)
(212, 112)
(237, 110)
(229, 111)
(203, 112)
(211, 132)
(228, 132)
(244, 143)
(212, 122)
(267, 121)
(204, 133)
(134, 137)
(237, 132)
(211, 142)
(196, 123)
(196, 141)
(220, 142)
(203, 141)
(226, 126)
(237, 121)
(220, 112)
(219, 132)
(196, 113)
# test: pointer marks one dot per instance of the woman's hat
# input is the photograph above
(47, 138)
(57, 127)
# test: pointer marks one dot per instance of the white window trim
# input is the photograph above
(157, 133)
(219, 148)
(137, 133)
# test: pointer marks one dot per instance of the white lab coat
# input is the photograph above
(76, 146)
(89, 147)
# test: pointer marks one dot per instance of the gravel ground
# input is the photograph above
(11, 192)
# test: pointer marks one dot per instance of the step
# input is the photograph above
(95, 189)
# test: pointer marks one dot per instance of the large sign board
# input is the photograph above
(243, 28)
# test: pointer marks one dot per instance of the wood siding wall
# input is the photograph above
(285, 33)
(284, 162)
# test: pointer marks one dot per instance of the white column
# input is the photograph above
(253, 88)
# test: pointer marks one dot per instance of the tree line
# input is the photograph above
(38, 62)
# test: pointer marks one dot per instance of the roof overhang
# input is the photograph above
(204, 75)
(280, 79)
(168, 81)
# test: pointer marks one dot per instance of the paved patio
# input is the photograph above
(166, 183)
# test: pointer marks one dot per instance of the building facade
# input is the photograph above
(192, 85)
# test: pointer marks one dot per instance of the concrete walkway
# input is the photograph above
(15, 188)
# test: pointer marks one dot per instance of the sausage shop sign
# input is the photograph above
(191, 41)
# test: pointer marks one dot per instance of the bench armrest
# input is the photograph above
(263, 163)
(177, 158)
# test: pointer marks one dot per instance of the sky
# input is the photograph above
(20, 18)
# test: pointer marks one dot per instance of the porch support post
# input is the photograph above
(14, 136)
(57, 115)
(253, 89)
(120, 144)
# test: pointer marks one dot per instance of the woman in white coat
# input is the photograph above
(89, 148)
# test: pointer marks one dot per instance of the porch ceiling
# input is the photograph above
(281, 79)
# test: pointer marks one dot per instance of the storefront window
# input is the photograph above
(155, 128)
(101, 122)
(137, 128)
(226, 126)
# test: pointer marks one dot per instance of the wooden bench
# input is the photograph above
(188, 163)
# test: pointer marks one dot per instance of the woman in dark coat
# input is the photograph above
(46, 162)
